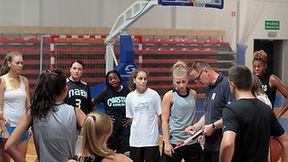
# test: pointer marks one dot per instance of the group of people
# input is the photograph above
(237, 123)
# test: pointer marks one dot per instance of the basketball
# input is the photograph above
(275, 150)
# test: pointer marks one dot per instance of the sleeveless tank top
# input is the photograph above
(271, 92)
(182, 114)
(55, 136)
(14, 102)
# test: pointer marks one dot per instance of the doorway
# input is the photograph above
(275, 52)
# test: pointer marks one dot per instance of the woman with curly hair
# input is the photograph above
(270, 82)
(113, 97)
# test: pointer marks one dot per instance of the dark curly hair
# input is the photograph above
(112, 72)
(260, 56)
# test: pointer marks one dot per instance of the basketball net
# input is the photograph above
(199, 3)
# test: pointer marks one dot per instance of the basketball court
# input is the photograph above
(117, 48)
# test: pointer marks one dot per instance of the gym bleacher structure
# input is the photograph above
(158, 53)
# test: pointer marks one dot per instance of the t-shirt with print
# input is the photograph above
(114, 103)
(79, 95)
(144, 109)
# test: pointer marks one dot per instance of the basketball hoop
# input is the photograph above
(193, 3)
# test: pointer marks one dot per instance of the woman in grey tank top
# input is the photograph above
(53, 122)
(178, 112)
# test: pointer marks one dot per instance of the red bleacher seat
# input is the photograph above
(68, 61)
(5, 41)
(33, 40)
(176, 59)
(146, 41)
(18, 41)
(159, 69)
(194, 41)
(3, 51)
(13, 49)
(30, 71)
(183, 41)
(30, 50)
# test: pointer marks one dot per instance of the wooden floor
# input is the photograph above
(31, 153)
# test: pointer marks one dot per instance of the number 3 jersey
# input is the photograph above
(78, 95)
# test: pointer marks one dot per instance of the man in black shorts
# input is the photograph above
(248, 123)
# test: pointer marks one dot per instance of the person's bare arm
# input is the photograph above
(283, 139)
(218, 124)
(2, 89)
(3, 129)
(13, 140)
(166, 105)
(227, 146)
(80, 116)
(275, 82)
(208, 129)
(26, 82)
(197, 126)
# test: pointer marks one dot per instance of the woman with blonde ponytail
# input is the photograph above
(97, 128)
(178, 113)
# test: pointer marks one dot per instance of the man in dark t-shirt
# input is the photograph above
(218, 96)
(248, 123)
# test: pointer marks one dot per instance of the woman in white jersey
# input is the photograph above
(178, 112)
(143, 106)
(14, 99)
(53, 122)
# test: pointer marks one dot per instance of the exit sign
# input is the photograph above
(272, 25)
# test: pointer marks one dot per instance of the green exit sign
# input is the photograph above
(272, 25)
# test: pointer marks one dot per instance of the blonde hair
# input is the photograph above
(97, 127)
(8, 58)
(180, 69)
(256, 88)
(260, 56)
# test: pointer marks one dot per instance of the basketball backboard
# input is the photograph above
(195, 3)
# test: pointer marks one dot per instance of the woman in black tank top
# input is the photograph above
(271, 83)
(88, 158)
(97, 128)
